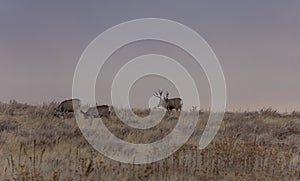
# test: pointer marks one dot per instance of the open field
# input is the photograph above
(35, 145)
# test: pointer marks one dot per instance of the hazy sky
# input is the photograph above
(257, 43)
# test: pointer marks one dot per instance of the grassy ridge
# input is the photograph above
(35, 145)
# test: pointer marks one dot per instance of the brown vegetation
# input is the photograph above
(36, 145)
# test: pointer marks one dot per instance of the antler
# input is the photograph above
(158, 94)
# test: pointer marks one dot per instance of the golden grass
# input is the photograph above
(35, 145)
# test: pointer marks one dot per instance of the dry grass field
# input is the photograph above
(35, 145)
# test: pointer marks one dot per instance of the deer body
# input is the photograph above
(67, 106)
(169, 104)
(98, 111)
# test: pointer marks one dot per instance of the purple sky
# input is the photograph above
(257, 43)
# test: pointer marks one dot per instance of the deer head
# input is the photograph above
(166, 97)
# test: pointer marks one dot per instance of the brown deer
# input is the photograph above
(67, 106)
(169, 104)
(96, 112)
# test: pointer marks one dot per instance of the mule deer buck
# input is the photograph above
(67, 106)
(169, 104)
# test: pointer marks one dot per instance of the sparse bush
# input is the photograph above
(8, 125)
(269, 112)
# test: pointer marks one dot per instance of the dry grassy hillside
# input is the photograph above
(35, 145)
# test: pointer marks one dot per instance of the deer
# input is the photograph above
(67, 106)
(96, 112)
(165, 102)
